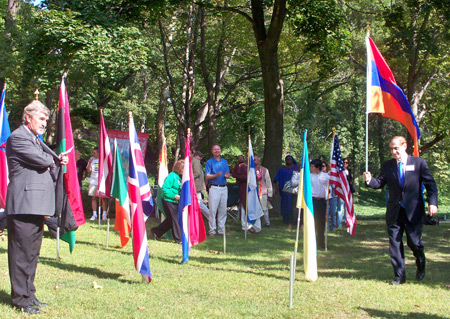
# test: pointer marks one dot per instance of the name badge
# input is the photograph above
(409, 168)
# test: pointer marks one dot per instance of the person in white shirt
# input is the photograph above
(319, 182)
(92, 168)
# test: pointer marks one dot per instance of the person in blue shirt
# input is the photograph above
(216, 174)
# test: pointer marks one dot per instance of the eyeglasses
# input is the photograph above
(345, 162)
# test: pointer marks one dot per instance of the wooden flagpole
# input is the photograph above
(328, 193)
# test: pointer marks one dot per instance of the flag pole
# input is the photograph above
(299, 198)
(246, 189)
(328, 194)
(368, 88)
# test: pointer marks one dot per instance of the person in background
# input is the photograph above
(405, 210)
(216, 174)
(332, 200)
(171, 190)
(199, 180)
(284, 174)
(265, 190)
(319, 182)
(92, 168)
(81, 167)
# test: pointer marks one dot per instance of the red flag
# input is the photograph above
(70, 177)
(105, 161)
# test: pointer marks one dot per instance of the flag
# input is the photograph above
(5, 132)
(105, 162)
(120, 192)
(254, 210)
(309, 231)
(162, 174)
(338, 178)
(69, 205)
(138, 183)
(385, 96)
(189, 214)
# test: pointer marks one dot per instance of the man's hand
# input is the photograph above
(367, 176)
(64, 160)
(432, 209)
(227, 174)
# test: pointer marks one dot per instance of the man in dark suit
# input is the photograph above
(404, 176)
(31, 196)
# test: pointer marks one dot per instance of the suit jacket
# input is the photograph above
(199, 178)
(416, 173)
(32, 172)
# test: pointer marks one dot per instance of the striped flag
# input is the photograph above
(162, 174)
(137, 186)
(69, 205)
(338, 177)
(385, 96)
(189, 214)
(309, 232)
(120, 192)
(5, 132)
(105, 162)
(254, 210)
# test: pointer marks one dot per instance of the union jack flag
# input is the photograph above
(138, 188)
(338, 177)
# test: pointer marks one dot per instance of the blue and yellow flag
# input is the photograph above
(309, 233)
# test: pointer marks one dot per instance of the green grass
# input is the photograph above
(250, 281)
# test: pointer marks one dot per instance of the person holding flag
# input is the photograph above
(319, 184)
(404, 176)
(32, 169)
(93, 168)
(171, 190)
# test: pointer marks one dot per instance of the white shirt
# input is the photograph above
(319, 184)
(93, 179)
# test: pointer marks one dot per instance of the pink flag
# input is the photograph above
(105, 161)
(5, 132)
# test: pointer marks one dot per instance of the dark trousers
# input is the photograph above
(414, 242)
(320, 208)
(171, 210)
(24, 244)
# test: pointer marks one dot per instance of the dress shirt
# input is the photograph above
(319, 184)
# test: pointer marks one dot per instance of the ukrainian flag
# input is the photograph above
(309, 232)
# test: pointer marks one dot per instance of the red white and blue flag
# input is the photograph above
(105, 161)
(189, 214)
(254, 210)
(5, 132)
(338, 177)
(385, 96)
(138, 183)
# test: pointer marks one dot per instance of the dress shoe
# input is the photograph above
(30, 309)
(397, 282)
(420, 274)
(154, 235)
(37, 303)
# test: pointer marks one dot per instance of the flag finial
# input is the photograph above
(189, 131)
(368, 30)
(4, 86)
(130, 114)
(36, 93)
(64, 75)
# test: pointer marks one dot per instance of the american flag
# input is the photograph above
(138, 188)
(338, 177)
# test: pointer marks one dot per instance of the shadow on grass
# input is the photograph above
(5, 298)
(85, 270)
(374, 313)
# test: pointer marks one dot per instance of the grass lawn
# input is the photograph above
(251, 280)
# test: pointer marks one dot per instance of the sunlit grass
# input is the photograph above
(251, 280)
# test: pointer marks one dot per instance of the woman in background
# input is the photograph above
(171, 190)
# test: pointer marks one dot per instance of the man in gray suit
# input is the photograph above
(31, 196)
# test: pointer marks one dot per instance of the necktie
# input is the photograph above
(401, 174)
(38, 143)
